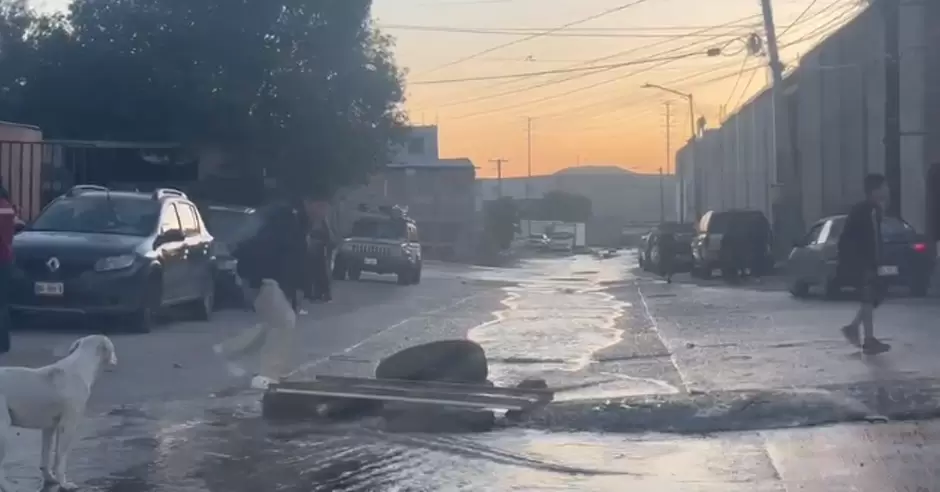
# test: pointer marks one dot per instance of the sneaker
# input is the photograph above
(873, 346)
(851, 334)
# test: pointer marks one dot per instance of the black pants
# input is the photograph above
(5, 276)
(320, 270)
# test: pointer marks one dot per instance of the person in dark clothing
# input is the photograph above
(668, 249)
(321, 249)
(7, 230)
(859, 260)
(277, 252)
(734, 251)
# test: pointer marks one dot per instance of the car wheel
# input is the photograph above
(405, 276)
(705, 273)
(144, 319)
(205, 305)
(354, 274)
(799, 289)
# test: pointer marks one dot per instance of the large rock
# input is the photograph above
(454, 361)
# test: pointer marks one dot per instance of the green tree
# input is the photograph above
(501, 221)
(307, 88)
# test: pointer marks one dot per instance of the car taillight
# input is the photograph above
(920, 247)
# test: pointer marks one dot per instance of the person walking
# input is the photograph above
(859, 260)
(7, 231)
(322, 240)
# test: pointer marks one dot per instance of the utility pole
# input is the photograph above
(499, 174)
(668, 134)
(662, 197)
(891, 13)
(528, 130)
(788, 212)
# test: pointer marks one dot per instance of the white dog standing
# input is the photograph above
(52, 399)
(271, 338)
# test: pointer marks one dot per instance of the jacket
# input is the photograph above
(860, 242)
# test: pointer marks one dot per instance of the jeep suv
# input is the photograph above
(94, 251)
(381, 243)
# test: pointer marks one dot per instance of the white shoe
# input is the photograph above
(302, 312)
(261, 382)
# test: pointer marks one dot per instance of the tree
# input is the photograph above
(563, 206)
(307, 88)
(501, 220)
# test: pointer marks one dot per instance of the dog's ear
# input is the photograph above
(106, 352)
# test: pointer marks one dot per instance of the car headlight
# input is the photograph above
(115, 263)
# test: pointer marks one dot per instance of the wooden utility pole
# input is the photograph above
(662, 196)
(788, 213)
(668, 134)
(528, 130)
(499, 174)
(891, 13)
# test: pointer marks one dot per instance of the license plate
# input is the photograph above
(371, 261)
(887, 271)
(49, 288)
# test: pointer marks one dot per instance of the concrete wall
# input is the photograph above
(840, 99)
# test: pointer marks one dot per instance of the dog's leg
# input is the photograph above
(66, 433)
(6, 423)
(48, 435)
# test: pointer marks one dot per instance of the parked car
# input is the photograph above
(650, 257)
(537, 241)
(231, 226)
(710, 250)
(907, 259)
(382, 243)
(561, 242)
(93, 251)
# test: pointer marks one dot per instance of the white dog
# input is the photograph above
(52, 399)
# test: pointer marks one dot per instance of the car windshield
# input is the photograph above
(231, 226)
(103, 215)
(379, 229)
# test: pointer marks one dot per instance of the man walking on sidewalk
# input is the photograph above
(859, 261)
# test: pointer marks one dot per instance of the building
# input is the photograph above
(618, 197)
(837, 101)
(440, 195)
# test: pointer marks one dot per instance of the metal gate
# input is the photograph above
(37, 172)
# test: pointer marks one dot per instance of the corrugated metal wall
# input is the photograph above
(840, 126)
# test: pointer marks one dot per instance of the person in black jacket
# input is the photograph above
(321, 241)
(859, 259)
(668, 249)
(277, 252)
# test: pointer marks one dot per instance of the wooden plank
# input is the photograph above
(466, 388)
(338, 393)
(409, 392)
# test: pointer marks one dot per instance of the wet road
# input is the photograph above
(654, 372)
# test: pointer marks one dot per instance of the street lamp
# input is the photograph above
(681, 173)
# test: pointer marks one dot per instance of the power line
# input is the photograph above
(510, 32)
(539, 34)
(803, 14)
(737, 81)
(588, 63)
(577, 30)
(747, 86)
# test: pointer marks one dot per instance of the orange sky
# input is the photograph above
(604, 117)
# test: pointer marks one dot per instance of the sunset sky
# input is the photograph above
(602, 117)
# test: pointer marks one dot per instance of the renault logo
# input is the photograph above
(53, 264)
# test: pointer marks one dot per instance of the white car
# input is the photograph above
(561, 242)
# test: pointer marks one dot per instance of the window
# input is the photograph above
(416, 146)
(100, 215)
(170, 221)
(813, 235)
(188, 219)
(825, 234)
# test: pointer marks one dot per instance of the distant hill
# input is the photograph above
(594, 170)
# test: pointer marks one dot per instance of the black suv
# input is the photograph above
(385, 242)
(649, 254)
(96, 251)
(710, 247)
